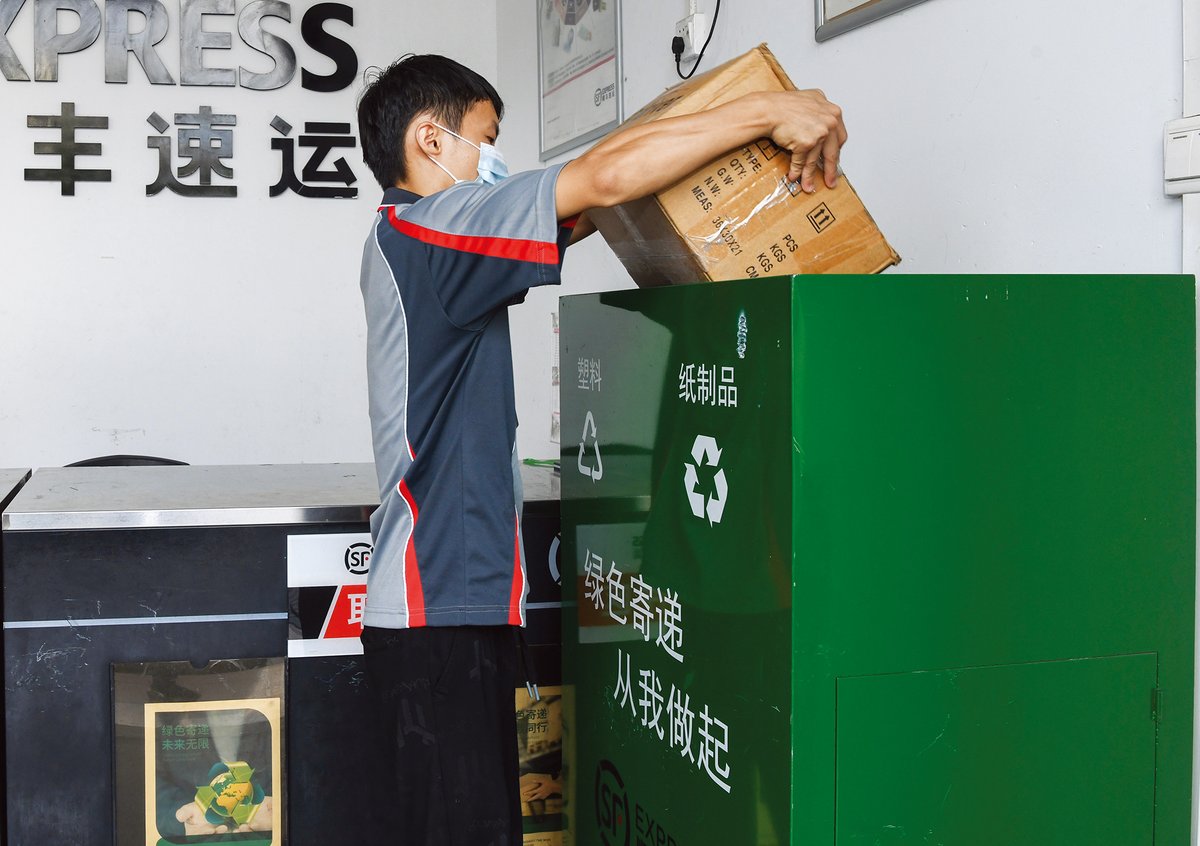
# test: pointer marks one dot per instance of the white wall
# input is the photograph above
(1015, 137)
(209, 330)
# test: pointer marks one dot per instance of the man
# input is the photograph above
(454, 244)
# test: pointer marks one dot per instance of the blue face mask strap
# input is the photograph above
(455, 134)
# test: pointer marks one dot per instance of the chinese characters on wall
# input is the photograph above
(197, 159)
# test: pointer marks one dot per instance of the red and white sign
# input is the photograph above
(327, 592)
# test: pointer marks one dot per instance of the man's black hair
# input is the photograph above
(412, 86)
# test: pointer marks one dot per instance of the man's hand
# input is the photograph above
(810, 127)
(194, 821)
(263, 818)
(536, 786)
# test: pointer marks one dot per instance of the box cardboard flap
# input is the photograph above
(757, 70)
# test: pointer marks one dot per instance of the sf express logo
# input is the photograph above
(604, 94)
(358, 558)
(617, 826)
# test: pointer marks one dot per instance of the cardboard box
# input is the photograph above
(739, 217)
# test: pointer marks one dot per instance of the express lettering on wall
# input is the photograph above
(199, 39)
(196, 160)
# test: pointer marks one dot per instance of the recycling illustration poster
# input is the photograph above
(198, 752)
(211, 772)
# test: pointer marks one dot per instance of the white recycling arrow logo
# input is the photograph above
(596, 473)
(706, 451)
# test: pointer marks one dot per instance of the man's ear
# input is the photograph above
(426, 136)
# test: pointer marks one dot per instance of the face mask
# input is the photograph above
(491, 168)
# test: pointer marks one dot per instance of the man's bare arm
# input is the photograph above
(644, 159)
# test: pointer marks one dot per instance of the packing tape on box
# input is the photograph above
(705, 246)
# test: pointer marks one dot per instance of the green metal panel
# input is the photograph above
(1052, 752)
(915, 474)
(731, 576)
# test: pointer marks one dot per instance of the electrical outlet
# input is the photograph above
(691, 29)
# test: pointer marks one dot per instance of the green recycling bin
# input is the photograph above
(880, 560)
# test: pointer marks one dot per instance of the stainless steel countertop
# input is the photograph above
(73, 498)
(540, 483)
(219, 495)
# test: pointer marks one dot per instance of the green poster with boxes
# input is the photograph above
(880, 560)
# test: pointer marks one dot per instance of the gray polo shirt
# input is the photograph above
(438, 276)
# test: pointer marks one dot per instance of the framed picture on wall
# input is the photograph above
(579, 72)
(837, 16)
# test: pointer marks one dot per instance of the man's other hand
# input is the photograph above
(811, 127)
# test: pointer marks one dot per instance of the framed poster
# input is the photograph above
(198, 753)
(579, 72)
(835, 17)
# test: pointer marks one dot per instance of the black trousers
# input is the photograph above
(445, 701)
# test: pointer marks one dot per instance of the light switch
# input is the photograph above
(1181, 156)
(1178, 155)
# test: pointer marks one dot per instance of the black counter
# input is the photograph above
(133, 564)
(11, 481)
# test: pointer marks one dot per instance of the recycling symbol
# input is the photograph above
(705, 451)
(594, 471)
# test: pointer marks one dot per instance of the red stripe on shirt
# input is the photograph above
(414, 595)
(570, 222)
(518, 582)
(538, 252)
